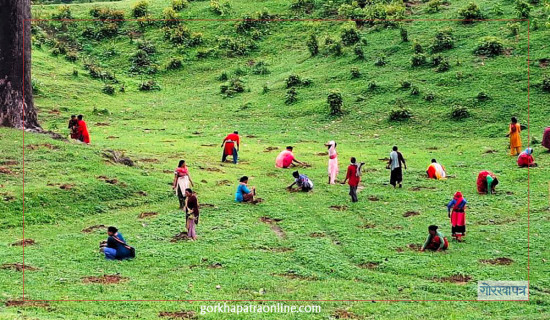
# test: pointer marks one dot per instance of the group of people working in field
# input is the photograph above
(116, 248)
(79, 129)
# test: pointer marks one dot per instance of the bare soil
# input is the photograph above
(94, 227)
(144, 215)
(503, 261)
(105, 279)
(26, 242)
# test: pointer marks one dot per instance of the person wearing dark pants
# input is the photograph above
(230, 146)
(353, 178)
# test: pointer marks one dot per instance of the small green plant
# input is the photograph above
(305, 6)
(334, 48)
(371, 86)
(523, 9)
(220, 7)
(170, 16)
(443, 66)
(482, 96)
(404, 34)
(470, 13)
(291, 96)
(358, 51)
(179, 5)
(63, 12)
(443, 40)
(459, 113)
(75, 73)
(545, 85)
(418, 59)
(399, 112)
(260, 67)
(406, 84)
(433, 6)
(140, 9)
(355, 73)
(380, 61)
(174, 63)
(490, 46)
(108, 89)
(223, 76)
(234, 86)
(293, 81)
(415, 91)
(313, 44)
(514, 28)
(417, 47)
(150, 85)
(335, 102)
(71, 56)
(36, 85)
(178, 35)
(349, 34)
(497, 9)
(265, 88)
(147, 46)
(430, 96)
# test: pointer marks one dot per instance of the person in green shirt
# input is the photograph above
(436, 241)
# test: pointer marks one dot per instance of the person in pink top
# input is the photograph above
(332, 162)
(286, 159)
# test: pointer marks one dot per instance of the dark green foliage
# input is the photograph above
(236, 46)
(291, 96)
(36, 85)
(333, 47)
(490, 46)
(355, 73)
(178, 35)
(514, 28)
(523, 9)
(106, 14)
(545, 85)
(71, 56)
(232, 87)
(417, 47)
(98, 73)
(418, 60)
(223, 76)
(359, 53)
(63, 12)
(140, 9)
(265, 88)
(260, 67)
(108, 89)
(179, 5)
(459, 113)
(335, 102)
(400, 113)
(443, 40)
(443, 66)
(433, 6)
(470, 12)
(170, 17)
(295, 81)
(371, 86)
(305, 6)
(220, 7)
(437, 59)
(254, 26)
(313, 44)
(415, 91)
(482, 96)
(429, 96)
(150, 85)
(205, 53)
(380, 61)
(174, 63)
(405, 84)
(404, 34)
(147, 46)
(349, 35)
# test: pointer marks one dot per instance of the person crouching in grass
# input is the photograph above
(115, 248)
(436, 241)
(244, 194)
(302, 181)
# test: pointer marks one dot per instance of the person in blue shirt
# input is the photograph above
(116, 248)
(244, 194)
(302, 181)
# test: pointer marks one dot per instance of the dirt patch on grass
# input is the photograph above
(9, 162)
(144, 215)
(344, 314)
(251, 136)
(414, 246)
(4, 170)
(432, 148)
(322, 154)
(108, 180)
(209, 145)
(150, 160)
(216, 265)
(503, 261)
(368, 226)
(455, 278)
(490, 151)
(420, 188)
(399, 249)
(269, 149)
(278, 249)
(105, 279)
(223, 182)
(94, 227)
(410, 213)
(178, 314)
(102, 124)
(543, 63)
(384, 159)
(294, 275)
(317, 235)
(26, 303)
(373, 198)
(43, 145)
(368, 265)
(182, 236)
(211, 169)
(338, 208)
(272, 222)
(17, 267)
(66, 186)
(118, 157)
(112, 137)
(26, 242)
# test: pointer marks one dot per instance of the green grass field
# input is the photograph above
(359, 253)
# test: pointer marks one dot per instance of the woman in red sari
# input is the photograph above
(525, 159)
(546, 138)
(83, 134)
(456, 209)
(486, 182)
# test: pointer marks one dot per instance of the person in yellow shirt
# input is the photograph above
(515, 139)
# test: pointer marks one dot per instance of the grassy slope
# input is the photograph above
(231, 234)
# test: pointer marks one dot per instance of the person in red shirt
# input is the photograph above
(526, 159)
(229, 149)
(83, 134)
(353, 178)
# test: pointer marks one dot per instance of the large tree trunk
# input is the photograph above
(16, 103)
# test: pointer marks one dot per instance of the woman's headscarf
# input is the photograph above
(458, 197)
(528, 151)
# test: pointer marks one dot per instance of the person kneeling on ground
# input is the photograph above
(115, 248)
(525, 159)
(244, 194)
(436, 241)
(286, 159)
(486, 182)
(302, 181)
(436, 171)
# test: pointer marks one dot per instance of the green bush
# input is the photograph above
(349, 35)
(470, 13)
(220, 7)
(223, 76)
(236, 46)
(418, 59)
(63, 12)
(417, 47)
(443, 40)
(260, 67)
(443, 66)
(291, 96)
(482, 96)
(71, 56)
(415, 91)
(313, 44)
(179, 5)
(108, 89)
(335, 102)
(359, 53)
(234, 86)
(523, 9)
(405, 84)
(380, 61)
(333, 47)
(490, 46)
(514, 28)
(147, 46)
(545, 85)
(174, 63)
(305, 6)
(107, 14)
(400, 113)
(355, 73)
(140, 9)
(170, 16)
(150, 85)
(433, 6)
(404, 34)
(429, 96)
(371, 86)
(205, 53)
(36, 86)
(177, 35)
(293, 81)
(459, 113)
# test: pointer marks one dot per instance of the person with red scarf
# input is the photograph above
(83, 134)
(456, 209)
(229, 148)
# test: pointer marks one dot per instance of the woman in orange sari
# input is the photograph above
(515, 139)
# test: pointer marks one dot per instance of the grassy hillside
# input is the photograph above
(361, 251)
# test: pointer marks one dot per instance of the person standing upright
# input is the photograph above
(396, 163)
(515, 138)
(332, 162)
(83, 134)
(231, 145)
(353, 178)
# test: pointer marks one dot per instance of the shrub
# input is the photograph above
(497, 9)
(355, 73)
(459, 113)
(36, 86)
(523, 9)
(140, 9)
(306, 6)
(291, 96)
(293, 81)
(417, 47)
(71, 56)
(179, 5)
(371, 86)
(333, 47)
(233, 87)
(335, 102)
(107, 14)
(443, 40)
(220, 8)
(482, 96)
(223, 76)
(490, 46)
(437, 59)
(313, 44)
(470, 12)
(418, 59)
(195, 40)
(429, 96)
(205, 53)
(63, 12)
(174, 63)
(404, 34)
(545, 85)
(177, 35)
(149, 85)
(236, 46)
(380, 61)
(514, 28)
(140, 59)
(400, 113)
(415, 91)
(443, 66)
(147, 46)
(260, 67)
(108, 89)
(433, 6)
(405, 84)
(75, 72)
(349, 35)
(359, 53)
(265, 88)
(170, 16)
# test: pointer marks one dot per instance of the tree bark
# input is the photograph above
(16, 101)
